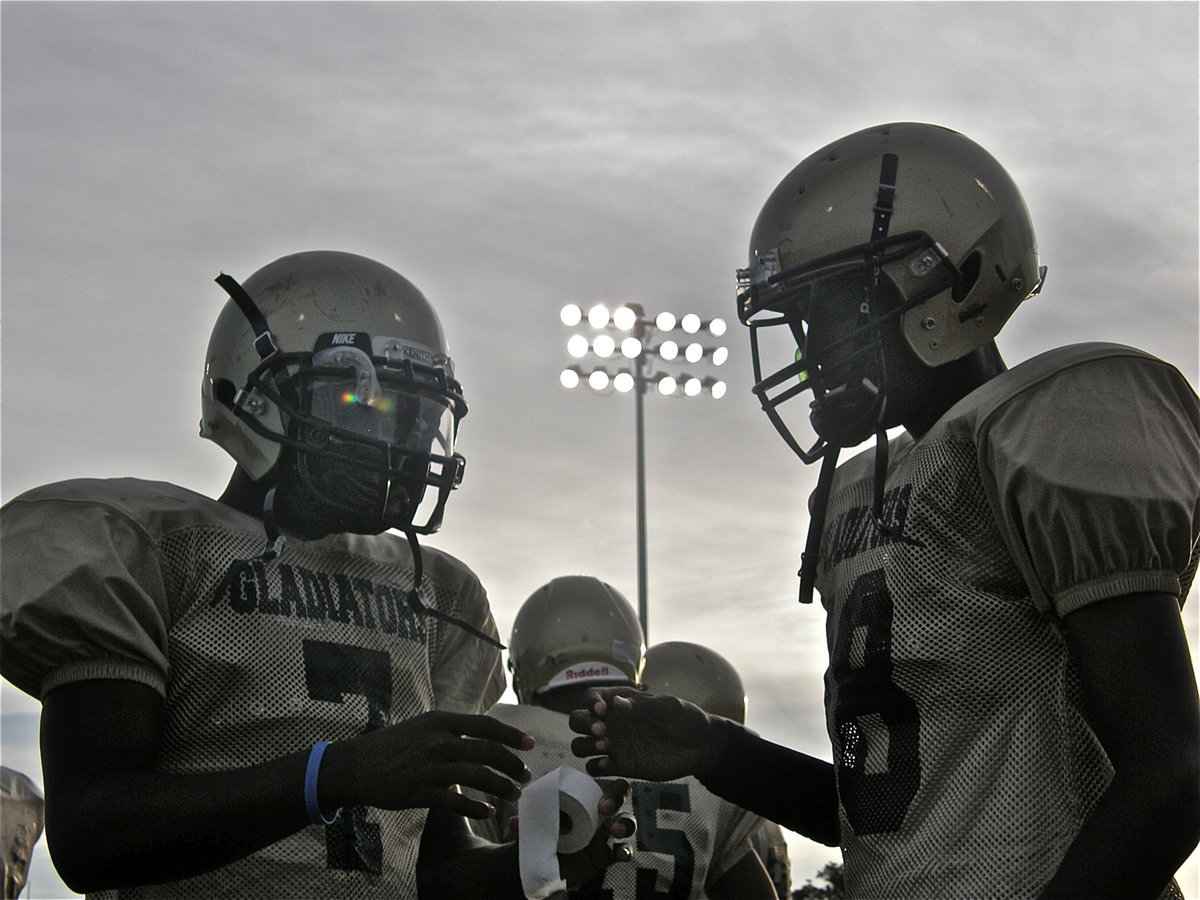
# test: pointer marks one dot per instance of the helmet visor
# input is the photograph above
(354, 398)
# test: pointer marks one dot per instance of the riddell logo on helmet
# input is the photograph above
(591, 671)
(587, 672)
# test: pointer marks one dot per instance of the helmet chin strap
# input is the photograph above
(269, 552)
(881, 464)
(816, 524)
(416, 598)
(418, 603)
(820, 503)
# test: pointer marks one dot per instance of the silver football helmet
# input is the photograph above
(337, 365)
(697, 674)
(574, 630)
(903, 226)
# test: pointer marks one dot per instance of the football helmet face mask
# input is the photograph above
(574, 630)
(328, 374)
(697, 674)
(899, 230)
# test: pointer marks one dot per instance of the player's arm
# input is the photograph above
(747, 879)
(637, 734)
(453, 861)
(791, 788)
(1139, 696)
(112, 821)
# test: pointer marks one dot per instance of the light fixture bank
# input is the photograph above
(640, 340)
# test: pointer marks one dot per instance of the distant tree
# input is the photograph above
(834, 887)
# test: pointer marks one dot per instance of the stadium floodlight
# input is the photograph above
(641, 349)
(624, 319)
(577, 346)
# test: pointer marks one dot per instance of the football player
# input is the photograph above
(577, 631)
(703, 676)
(269, 694)
(1009, 697)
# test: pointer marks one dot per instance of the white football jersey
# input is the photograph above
(686, 837)
(119, 579)
(964, 765)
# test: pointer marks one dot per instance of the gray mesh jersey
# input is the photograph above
(964, 765)
(117, 579)
(686, 837)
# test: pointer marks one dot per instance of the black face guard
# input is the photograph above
(389, 478)
(843, 412)
(370, 479)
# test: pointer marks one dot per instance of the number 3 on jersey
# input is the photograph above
(877, 729)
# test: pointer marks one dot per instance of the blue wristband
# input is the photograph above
(310, 786)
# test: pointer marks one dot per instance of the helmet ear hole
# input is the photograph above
(970, 274)
(224, 391)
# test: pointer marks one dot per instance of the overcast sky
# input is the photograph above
(509, 158)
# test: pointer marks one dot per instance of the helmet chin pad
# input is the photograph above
(848, 414)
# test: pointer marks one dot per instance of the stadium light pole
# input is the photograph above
(639, 400)
(639, 351)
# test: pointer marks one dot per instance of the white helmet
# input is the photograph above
(338, 364)
(697, 674)
(904, 226)
(574, 630)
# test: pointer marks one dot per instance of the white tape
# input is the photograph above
(556, 814)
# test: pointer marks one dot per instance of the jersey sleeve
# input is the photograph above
(82, 596)
(468, 675)
(1095, 474)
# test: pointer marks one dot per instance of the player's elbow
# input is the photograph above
(85, 854)
(1172, 802)
(78, 861)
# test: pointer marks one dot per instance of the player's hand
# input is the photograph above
(637, 734)
(416, 763)
(608, 845)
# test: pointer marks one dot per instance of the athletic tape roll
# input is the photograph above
(557, 814)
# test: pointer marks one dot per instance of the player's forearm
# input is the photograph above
(795, 790)
(130, 828)
(454, 863)
(1137, 836)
